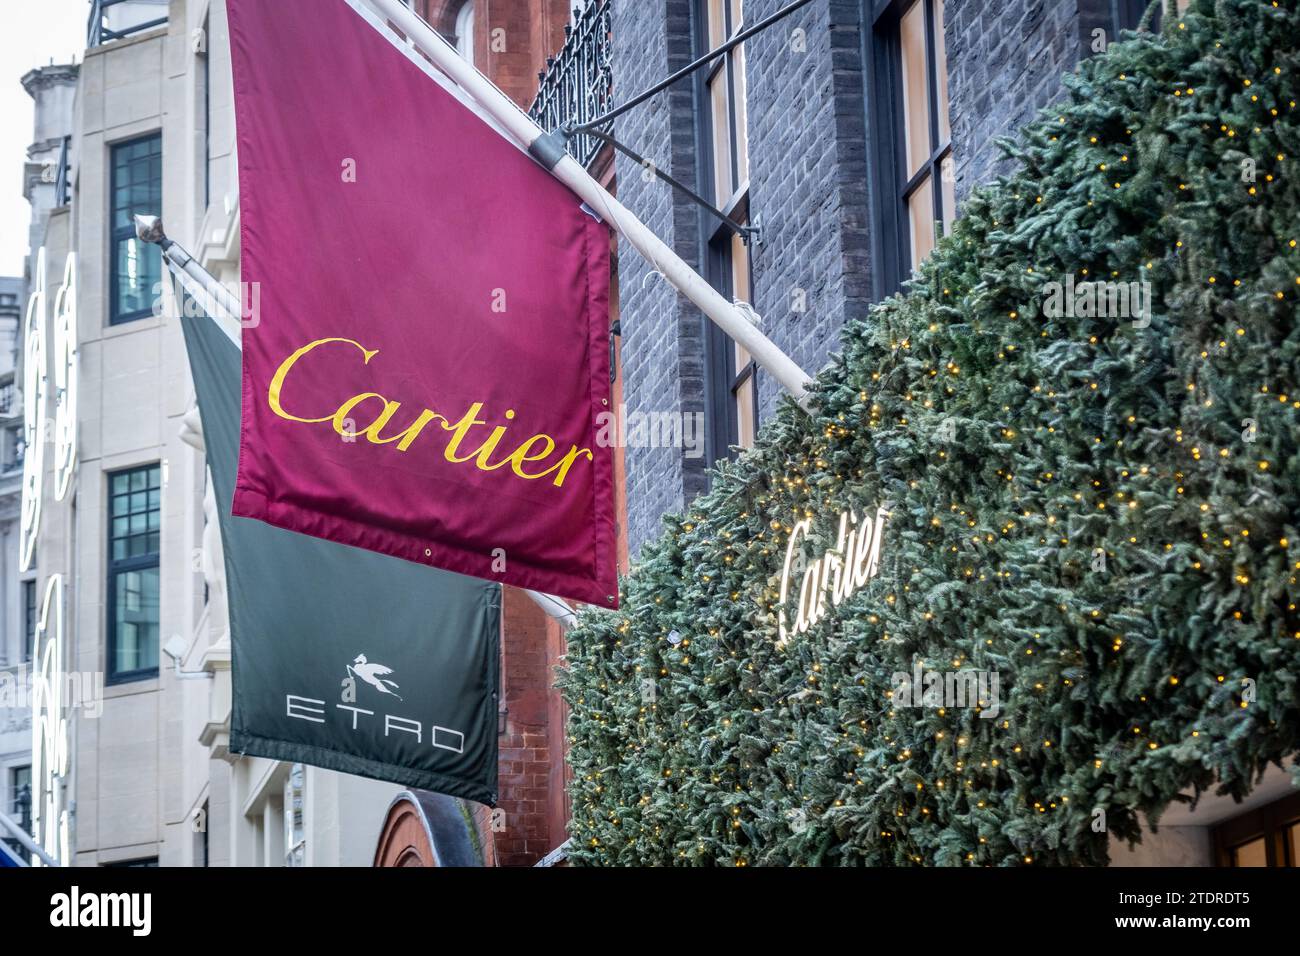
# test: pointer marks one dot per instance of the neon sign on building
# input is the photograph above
(834, 576)
(35, 386)
(65, 379)
(50, 738)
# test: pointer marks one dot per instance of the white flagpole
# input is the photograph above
(21, 836)
(568, 171)
(554, 607)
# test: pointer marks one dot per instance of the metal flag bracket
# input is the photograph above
(520, 127)
(549, 148)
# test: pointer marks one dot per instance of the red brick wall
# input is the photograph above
(512, 38)
(524, 764)
(533, 30)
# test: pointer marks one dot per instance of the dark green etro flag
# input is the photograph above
(342, 658)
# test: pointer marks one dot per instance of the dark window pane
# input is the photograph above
(136, 620)
(20, 799)
(134, 520)
(136, 188)
(29, 618)
(139, 269)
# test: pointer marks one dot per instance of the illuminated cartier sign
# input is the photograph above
(837, 574)
(35, 386)
(65, 379)
(50, 743)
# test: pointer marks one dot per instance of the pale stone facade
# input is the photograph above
(151, 777)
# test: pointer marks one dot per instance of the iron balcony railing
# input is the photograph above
(98, 30)
(578, 82)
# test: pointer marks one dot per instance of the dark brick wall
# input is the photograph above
(662, 342)
(1005, 62)
(808, 178)
(808, 188)
(810, 185)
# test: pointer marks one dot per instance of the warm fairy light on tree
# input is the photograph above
(1082, 511)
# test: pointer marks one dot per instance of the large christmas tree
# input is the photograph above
(1098, 509)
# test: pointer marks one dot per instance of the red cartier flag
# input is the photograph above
(430, 358)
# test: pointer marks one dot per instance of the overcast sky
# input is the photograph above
(32, 33)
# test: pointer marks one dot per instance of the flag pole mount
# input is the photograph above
(569, 171)
(150, 229)
(224, 307)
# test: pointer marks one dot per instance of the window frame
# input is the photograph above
(1127, 14)
(465, 44)
(144, 862)
(16, 435)
(14, 791)
(1269, 823)
(115, 567)
(294, 809)
(722, 380)
(203, 850)
(31, 613)
(205, 76)
(117, 233)
(891, 229)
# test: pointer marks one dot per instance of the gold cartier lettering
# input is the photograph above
(536, 449)
(277, 382)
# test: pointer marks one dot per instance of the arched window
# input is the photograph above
(465, 30)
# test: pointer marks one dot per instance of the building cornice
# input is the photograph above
(47, 77)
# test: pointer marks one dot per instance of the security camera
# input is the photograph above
(175, 648)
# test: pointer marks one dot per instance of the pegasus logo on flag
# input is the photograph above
(372, 674)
